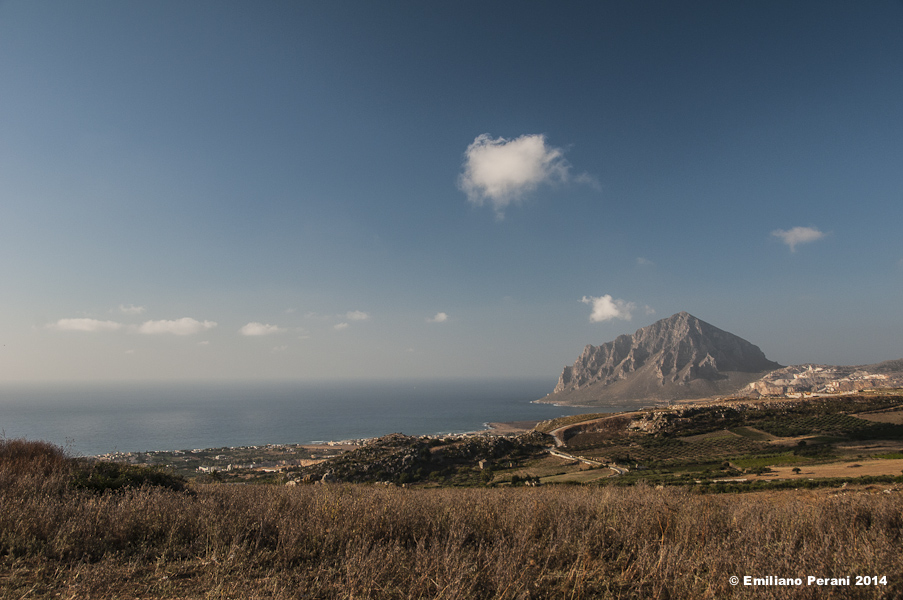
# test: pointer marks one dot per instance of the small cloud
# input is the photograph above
(605, 308)
(356, 315)
(501, 171)
(254, 329)
(587, 179)
(798, 235)
(340, 326)
(183, 326)
(204, 343)
(131, 309)
(129, 351)
(89, 325)
(315, 316)
(644, 262)
(279, 349)
(649, 310)
(439, 318)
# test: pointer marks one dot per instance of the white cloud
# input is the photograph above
(439, 318)
(798, 235)
(204, 343)
(90, 325)
(183, 326)
(315, 316)
(356, 315)
(501, 171)
(340, 326)
(131, 309)
(644, 262)
(606, 309)
(255, 328)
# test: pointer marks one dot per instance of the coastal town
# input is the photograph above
(268, 461)
(262, 459)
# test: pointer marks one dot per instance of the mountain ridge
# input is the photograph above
(675, 358)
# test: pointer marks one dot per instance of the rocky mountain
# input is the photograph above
(676, 358)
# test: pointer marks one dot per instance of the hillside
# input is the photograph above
(827, 379)
(676, 358)
(383, 542)
(723, 442)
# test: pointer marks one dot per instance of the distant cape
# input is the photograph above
(677, 358)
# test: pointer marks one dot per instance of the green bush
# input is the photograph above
(101, 476)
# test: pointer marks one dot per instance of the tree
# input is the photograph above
(486, 475)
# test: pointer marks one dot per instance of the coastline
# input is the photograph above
(489, 428)
(510, 427)
(277, 458)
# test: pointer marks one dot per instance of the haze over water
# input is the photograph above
(99, 418)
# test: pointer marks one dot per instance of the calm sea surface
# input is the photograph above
(100, 418)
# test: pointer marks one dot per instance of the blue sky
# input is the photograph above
(282, 190)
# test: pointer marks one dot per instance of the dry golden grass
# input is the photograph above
(325, 541)
(885, 416)
(843, 469)
(584, 476)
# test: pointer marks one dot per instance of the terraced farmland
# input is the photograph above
(737, 438)
(669, 450)
(836, 424)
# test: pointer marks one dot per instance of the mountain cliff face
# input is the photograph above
(675, 358)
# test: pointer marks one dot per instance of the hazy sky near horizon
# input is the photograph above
(246, 190)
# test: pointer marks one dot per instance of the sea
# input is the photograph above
(92, 419)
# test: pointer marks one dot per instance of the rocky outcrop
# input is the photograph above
(398, 458)
(676, 358)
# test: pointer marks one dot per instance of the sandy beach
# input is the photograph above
(504, 428)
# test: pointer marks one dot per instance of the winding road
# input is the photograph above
(588, 461)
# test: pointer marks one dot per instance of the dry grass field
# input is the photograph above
(841, 469)
(62, 540)
(885, 416)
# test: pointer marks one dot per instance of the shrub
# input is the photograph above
(28, 466)
(21, 457)
(101, 476)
